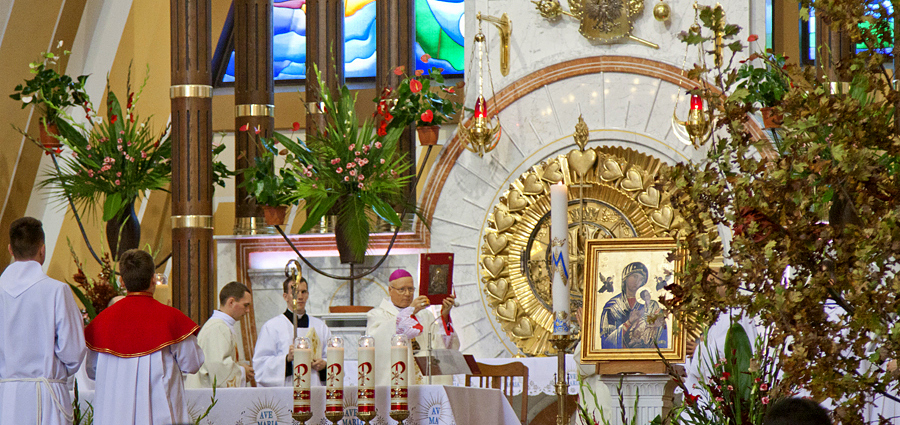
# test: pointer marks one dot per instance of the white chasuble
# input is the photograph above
(219, 343)
(275, 337)
(381, 324)
(41, 345)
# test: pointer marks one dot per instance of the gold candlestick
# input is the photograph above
(562, 343)
(302, 417)
(365, 416)
(334, 417)
(399, 416)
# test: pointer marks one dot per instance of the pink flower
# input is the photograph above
(360, 185)
(415, 86)
(352, 172)
(117, 182)
(122, 132)
(143, 155)
(335, 161)
(360, 177)
(765, 400)
(427, 116)
(339, 170)
(720, 399)
(350, 165)
(752, 38)
(377, 145)
(366, 148)
(764, 387)
(119, 174)
(730, 388)
(357, 153)
(346, 179)
(382, 160)
(352, 147)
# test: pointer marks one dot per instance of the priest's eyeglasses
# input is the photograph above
(404, 291)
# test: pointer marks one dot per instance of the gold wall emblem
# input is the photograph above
(614, 192)
(602, 20)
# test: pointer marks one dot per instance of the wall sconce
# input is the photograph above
(504, 25)
(484, 133)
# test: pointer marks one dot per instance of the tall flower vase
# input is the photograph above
(130, 236)
(343, 247)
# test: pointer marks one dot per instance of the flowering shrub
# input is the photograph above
(115, 159)
(421, 99)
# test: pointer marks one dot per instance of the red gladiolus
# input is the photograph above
(427, 116)
(399, 70)
(752, 38)
(113, 119)
(382, 129)
(415, 86)
(245, 127)
(691, 399)
(295, 126)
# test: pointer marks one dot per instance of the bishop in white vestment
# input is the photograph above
(218, 340)
(139, 350)
(273, 357)
(41, 337)
(403, 314)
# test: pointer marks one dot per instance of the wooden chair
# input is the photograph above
(501, 377)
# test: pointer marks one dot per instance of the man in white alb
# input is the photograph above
(41, 334)
(273, 358)
(403, 314)
(139, 350)
(219, 342)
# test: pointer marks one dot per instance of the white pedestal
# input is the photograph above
(653, 394)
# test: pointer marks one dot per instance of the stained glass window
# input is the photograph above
(439, 33)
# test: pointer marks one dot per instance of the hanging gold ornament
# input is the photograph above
(662, 12)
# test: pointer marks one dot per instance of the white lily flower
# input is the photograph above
(27, 99)
(60, 44)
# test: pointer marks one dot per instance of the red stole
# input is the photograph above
(137, 326)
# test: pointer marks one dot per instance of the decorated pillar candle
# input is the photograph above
(559, 252)
(399, 372)
(366, 383)
(302, 374)
(334, 381)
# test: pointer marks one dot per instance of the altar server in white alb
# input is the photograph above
(402, 314)
(273, 358)
(219, 342)
(41, 334)
(139, 350)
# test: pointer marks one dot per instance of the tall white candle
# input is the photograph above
(302, 375)
(399, 372)
(366, 383)
(559, 245)
(334, 391)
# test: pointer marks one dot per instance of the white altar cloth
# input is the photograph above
(429, 405)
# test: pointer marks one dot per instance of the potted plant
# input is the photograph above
(764, 86)
(421, 99)
(51, 92)
(113, 161)
(348, 169)
(272, 189)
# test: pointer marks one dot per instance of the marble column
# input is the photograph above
(325, 49)
(653, 393)
(254, 101)
(193, 284)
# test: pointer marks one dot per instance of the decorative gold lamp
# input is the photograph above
(484, 133)
(698, 126)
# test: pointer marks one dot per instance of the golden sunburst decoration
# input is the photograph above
(623, 195)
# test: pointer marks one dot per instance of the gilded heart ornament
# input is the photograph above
(611, 170)
(503, 220)
(508, 310)
(532, 185)
(515, 202)
(552, 172)
(649, 198)
(663, 217)
(523, 328)
(582, 162)
(496, 242)
(633, 182)
(498, 288)
(494, 265)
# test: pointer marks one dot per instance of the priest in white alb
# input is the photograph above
(404, 314)
(219, 342)
(273, 358)
(139, 350)
(41, 334)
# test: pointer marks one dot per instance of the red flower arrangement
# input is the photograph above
(421, 99)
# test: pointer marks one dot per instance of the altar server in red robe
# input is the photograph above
(41, 335)
(139, 350)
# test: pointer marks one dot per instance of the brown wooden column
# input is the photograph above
(831, 48)
(324, 48)
(254, 100)
(193, 284)
(396, 32)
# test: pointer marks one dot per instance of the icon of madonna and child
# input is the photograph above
(632, 318)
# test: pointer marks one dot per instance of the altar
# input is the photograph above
(429, 405)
